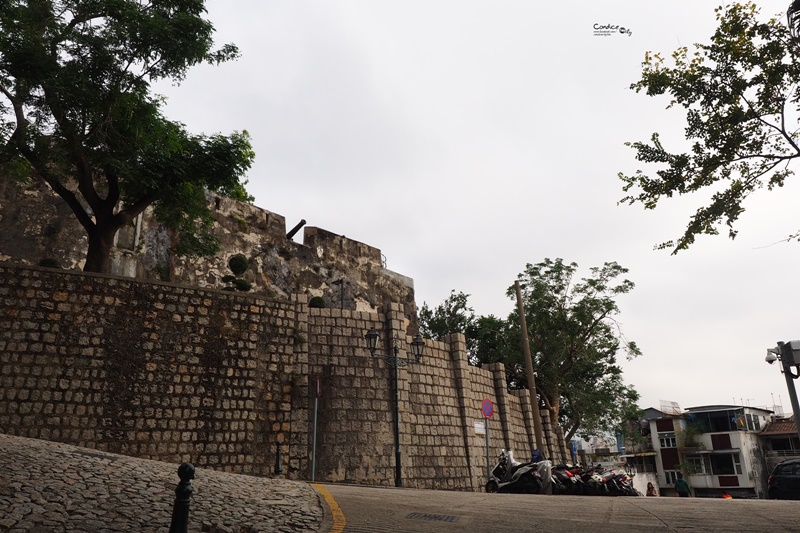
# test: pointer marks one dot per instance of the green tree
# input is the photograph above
(238, 264)
(573, 330)
(741, 95)
(494, 341)
(453, 315)
(486, 336)
(76, 112)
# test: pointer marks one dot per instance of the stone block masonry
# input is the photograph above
(174, 373)
(147, 370)
(346, 273)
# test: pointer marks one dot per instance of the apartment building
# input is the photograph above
(716, 447)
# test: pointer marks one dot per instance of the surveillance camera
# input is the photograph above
(771, 357)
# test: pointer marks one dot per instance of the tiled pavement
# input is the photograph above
(51, 487)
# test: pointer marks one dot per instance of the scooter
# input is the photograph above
(619, 484)
(510, 475)
(567, 481)
(592, 481)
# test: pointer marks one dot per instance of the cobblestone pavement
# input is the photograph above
(50, 487)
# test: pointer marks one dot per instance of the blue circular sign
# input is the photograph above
(487, 408)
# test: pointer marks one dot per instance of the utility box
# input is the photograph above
(790, 353)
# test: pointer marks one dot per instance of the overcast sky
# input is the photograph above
(466, 139)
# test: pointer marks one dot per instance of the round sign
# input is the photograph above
(487, 408)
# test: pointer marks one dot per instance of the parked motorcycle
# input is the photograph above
(625, 482)
(510, 475)
(565, 481)
(540, 476)
(593, 482)
(619, 484)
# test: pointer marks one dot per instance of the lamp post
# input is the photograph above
(340, 283)
(789, 355)
(395, 361)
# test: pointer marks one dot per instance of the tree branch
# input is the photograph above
(86, 182)
(141, 204)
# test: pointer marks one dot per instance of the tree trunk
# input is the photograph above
(98, 255)
(555, 454)
(563, 445)
(557, 432)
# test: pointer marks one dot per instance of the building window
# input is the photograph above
(782, 444)
(665, 424)
(722, 421)
(721, 441)
(128, 236)
(725, 465)
(699, 464)
(737, 464)
(753, 422)
(671, 476)
(667, 440)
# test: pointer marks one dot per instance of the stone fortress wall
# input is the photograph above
(348, 274)
(155, 361)
(177, 373)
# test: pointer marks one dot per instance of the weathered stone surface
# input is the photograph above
(123, 494)
(222, 388)
(38, 225)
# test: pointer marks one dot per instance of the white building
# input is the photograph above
(716, 447)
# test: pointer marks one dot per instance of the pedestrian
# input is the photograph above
(682, 486)
(651, 490)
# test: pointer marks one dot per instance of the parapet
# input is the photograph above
(326, 244)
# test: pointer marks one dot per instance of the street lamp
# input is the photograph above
(340, 283)
(789, 355)
(395, 361)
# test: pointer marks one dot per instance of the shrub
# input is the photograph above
(238, 264)
(49, 262)
(242, 284)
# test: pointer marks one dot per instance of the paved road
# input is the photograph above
(48, 487)
(375, 510)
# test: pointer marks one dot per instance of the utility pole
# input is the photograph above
(526, 351)
(788, 361)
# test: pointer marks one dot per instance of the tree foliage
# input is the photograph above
(453, 315)
(741, 95)
(238, 264)
(76, 112)
(573, 331)
(486, 336)
(494, 340)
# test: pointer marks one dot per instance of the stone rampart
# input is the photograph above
(38, 226)
(148, 370)
(175, 373)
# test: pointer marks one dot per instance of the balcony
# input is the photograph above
(639, 447)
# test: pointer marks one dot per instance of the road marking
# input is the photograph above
(433, 517)
(338, 516)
